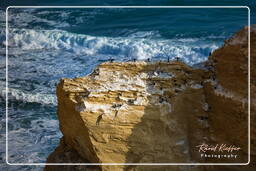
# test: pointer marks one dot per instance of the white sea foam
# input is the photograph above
(20, 95)
(41, 133)
(136, 46)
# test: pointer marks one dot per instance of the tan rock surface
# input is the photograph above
(133, 112)
(229, 117)
(138, 112)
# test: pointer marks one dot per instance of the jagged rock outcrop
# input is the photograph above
(158, 112)
(228, 95)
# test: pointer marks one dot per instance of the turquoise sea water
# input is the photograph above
(48, 44)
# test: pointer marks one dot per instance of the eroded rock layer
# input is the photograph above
(133, 112)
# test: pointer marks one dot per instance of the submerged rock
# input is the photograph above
(158, 112)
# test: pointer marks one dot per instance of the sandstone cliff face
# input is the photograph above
(228, 95)
(158, 112)
(133, 112)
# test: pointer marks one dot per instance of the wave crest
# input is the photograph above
(190, 50)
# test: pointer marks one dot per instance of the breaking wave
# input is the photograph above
(190, 50)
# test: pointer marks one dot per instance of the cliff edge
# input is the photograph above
(159, 112)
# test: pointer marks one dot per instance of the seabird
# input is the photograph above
(203, 118)
(111, 60)
(99, 119)
(213, 77)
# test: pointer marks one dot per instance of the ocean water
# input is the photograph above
(48, 44)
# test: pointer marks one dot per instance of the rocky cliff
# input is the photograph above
(158, 112)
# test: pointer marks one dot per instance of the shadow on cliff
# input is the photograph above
(163, 132)
(175, 121)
